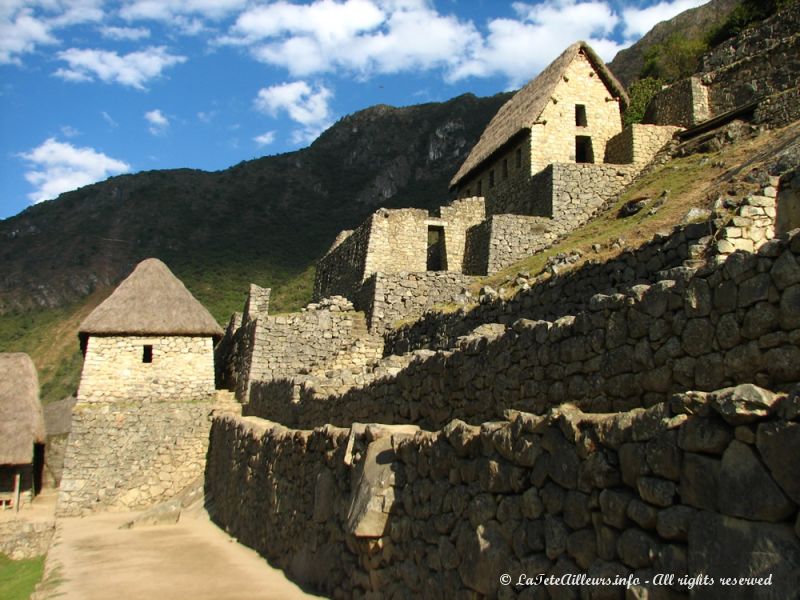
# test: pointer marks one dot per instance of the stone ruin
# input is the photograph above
(623, 420)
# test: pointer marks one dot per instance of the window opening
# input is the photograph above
(580, 115)
(147, 353)
(583, 149)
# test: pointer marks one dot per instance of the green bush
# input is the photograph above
(640, 93)
(673, 59)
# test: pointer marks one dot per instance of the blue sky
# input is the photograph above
(91, 88)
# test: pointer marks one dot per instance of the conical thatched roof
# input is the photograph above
(151, 301)
(21, 419)
(526, 106)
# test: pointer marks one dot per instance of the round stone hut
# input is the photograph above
(22, 433)
(150, 339)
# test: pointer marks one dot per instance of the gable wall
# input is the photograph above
(554, 140)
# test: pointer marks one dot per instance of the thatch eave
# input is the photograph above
(21, 416)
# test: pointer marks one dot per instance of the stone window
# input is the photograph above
(491, 179)
(580, 115)
(505, 168)
(583, 149)
(147, 353)
(480, 187)
(519, 158)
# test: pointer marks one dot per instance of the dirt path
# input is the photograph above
(91, 559)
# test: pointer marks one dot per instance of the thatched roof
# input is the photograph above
(526, 106)
(151, 301)
(21, 420)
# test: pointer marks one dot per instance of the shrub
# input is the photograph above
(640, 92)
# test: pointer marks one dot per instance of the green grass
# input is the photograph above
(18, 578)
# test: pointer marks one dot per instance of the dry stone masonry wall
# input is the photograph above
(684, 103)
(130, 454)
(24, 538)
(736, 322)
(181, 367)
(702, 484)
(638, 144)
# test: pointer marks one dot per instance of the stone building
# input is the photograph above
(550, 158)
(566, 114)
(22, 434)
(151, 339)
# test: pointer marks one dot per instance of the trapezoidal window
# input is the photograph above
(580, 115)
(480, 187)
(147, 353)
(491, 178)
(505, 168)
(519, 157)
(583, 149)
(437, 256)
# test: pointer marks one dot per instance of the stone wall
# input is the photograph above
(129, 455)
(399, 241)
(182, 367)
(277, 347)
(638, 144)
(343, 268)
(23, 538)
(750, 226)
(780, 109)
(788, 203)
(514, 237)
(759, 62)
(701, 485)
(684, 103)
(549, 297)
(738, 321)
(402, 296)
(459, 216)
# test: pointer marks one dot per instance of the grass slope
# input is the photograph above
(18, 578)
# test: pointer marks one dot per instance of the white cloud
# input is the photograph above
(639, 21)
(26, 24)
(124, 33)
(305, 105)
(58, 167)
(206, 116)
(134, 69)
(158, 122)
(265, 139)
(20, 33)
(363, 36)
(540, 34)
(167, 10)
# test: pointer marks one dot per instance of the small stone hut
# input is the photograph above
(149, 340)
(22, 432)
(566, 114)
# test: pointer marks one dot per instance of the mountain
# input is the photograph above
(694, 23)
(263, 220)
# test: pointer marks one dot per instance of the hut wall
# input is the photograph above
(182, 368)
(553, 136)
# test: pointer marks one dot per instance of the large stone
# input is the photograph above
(785, 270)
(633, 463)
(555, 536)
(721, 546)
(673, 523)
(697, 337)
(656, 491)
(790, 308)
(614, 506)
(636, 548)
(664, 457)
(754, 289)
(643, 514)
(581, 546)
(779, 445)
(485, 556)
(744, 403)
(373, 495)
(704, 435)
(747, 490)
(699, 481)
(576, 510)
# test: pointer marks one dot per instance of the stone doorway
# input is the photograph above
(437, 256)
